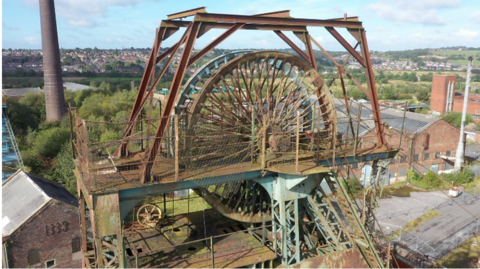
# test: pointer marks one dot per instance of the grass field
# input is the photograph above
(464, 53)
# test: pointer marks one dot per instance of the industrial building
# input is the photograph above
(428, 143)
(444, 99)
(40, 225)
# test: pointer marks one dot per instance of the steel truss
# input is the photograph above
(256, 112)
(202, 23)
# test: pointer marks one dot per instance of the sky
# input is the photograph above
(110, 24)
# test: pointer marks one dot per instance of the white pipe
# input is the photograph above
(459, 153)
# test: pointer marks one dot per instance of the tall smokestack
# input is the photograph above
(52, 70)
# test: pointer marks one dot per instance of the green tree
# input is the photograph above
(22, 117)
(423, 96)
(357, 94)
(49, 142)
(62, 169)
(455, 118)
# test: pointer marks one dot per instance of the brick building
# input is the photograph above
(428, 144)
(40, 225)
(444, 98)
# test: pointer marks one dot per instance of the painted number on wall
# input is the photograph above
(56, 228)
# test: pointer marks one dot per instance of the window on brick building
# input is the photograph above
(449, 153)
(50, 263)
(33, 257)
(437, 155)
(403, 159)
(415, 157)
(426, 156)
(354, 165)
(75, 244)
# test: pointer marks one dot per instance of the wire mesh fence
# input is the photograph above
(426, 247)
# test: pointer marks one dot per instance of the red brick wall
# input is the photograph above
(473, 107)
(438, 99)
(442, 137)
(52, 245)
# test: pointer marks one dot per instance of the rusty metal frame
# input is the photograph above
(203, 22)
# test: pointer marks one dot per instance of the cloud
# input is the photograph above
(418, 11)
(84, 13)
(475, 16)
(32, 40)
(466, 33)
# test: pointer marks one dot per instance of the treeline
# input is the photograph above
(45, 146)
(407, 54)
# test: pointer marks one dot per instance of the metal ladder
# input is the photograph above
(360, 235)
(13, 140)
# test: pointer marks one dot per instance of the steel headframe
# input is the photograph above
(204, 22)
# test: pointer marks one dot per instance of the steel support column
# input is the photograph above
(373, 91)
(176, 83)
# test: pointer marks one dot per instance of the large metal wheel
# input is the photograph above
(149, 215)
(256, 94)
(253, 94)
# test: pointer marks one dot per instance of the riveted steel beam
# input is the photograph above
(377, 117)
(215, 43)
(212, 17)
(167, 111)
(293, 46)
(347, 46)
(227, 25)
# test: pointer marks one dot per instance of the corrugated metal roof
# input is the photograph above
(24, 194)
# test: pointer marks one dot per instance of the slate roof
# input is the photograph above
(414, 122)
(24, 194)
(19, 92)
(472, 152)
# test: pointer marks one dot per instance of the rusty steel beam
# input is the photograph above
(168, 109)
(305, 38)
(227, 25)
(214, 43)
(293, 46)
(276, 14)
(341, 70)
(309, 49)
(373, 92)
(186, 13)
(347, 46)
(137, 106)
(212, 17)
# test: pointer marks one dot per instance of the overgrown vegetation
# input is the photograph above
(432, 181)
(352, 186)
(461, 256)
(412, 225)
(45, 146)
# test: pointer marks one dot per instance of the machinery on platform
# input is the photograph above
(244, 167)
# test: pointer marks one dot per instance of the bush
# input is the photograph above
(48, 143)
(62, 169)
(455, 118)
(428, 181)
(351, 185)
(460, 177)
